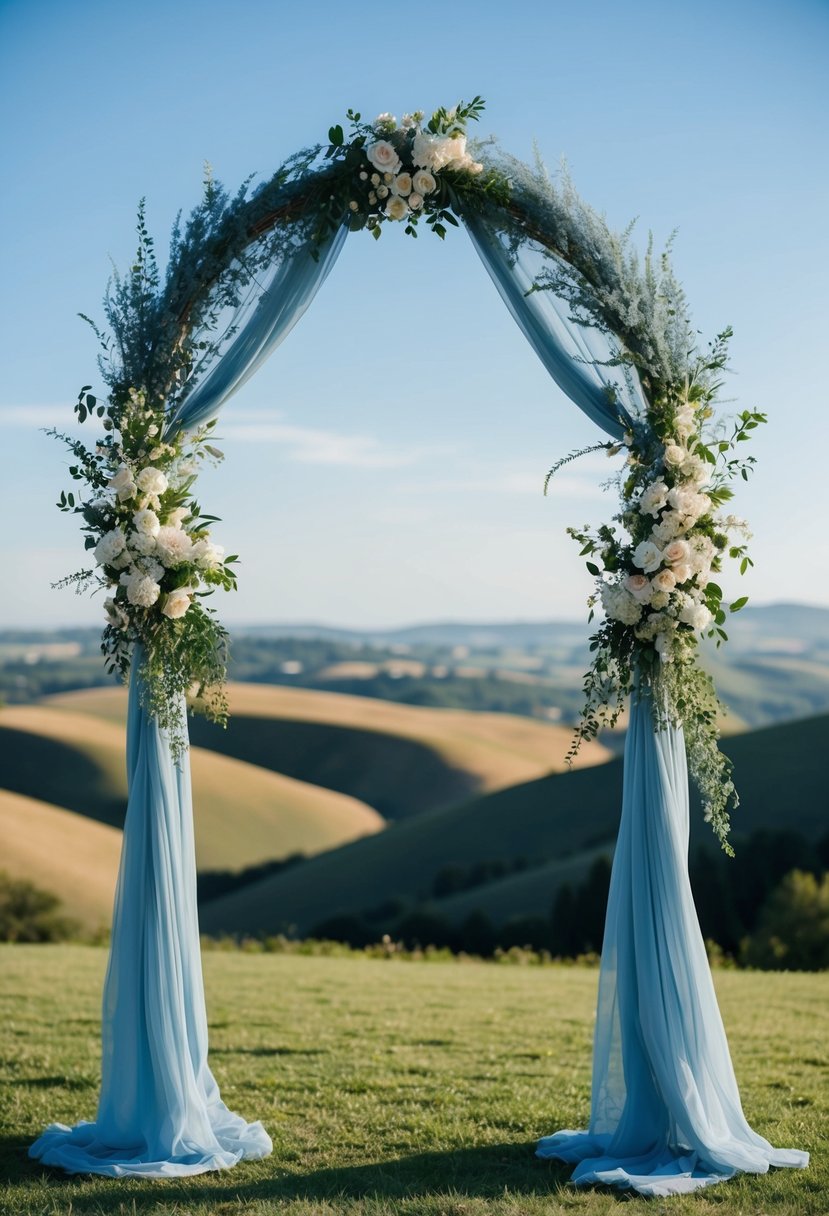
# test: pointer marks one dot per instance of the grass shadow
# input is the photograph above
(486, 1171)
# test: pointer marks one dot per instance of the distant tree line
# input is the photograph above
(768, 909)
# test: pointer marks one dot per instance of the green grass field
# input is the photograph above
(395, 1088)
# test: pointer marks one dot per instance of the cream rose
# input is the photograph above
(423, 182)
(402, 184)
(682, 572)
(675, 455)
(676, 552)
(397, 208)
(382, 155)
(176, 603)
(639, 587)
(415, 201)
(665, 580)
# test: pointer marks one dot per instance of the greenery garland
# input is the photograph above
(652, 564)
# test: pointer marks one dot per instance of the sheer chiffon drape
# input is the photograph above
(159, 1114)
(666, 1116)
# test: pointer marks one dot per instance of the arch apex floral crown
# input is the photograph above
(243, 268)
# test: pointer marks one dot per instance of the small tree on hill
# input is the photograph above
(793, 931)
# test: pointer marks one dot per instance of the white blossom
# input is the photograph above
(206, 555)
(176, 603)
(382, 155)
(146, 521)
(151, 481)
(173, 546)
(654, 498)
(647, 556)
(142, 590)
(110, 547)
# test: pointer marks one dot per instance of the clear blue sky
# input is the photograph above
(386, 466)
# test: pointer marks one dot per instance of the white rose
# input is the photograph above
(397, 208)
(697, 469)
(674, 454)
(402, 184)
(176, 603)
(423, 182)
(415, 201)
(382, 155)
(682, 572)
(653, 498)
(676, 552)
(665, 580)
(206, 555)
(151, 481)
(647, 556)
(146, 521)
(639, 587)
(142, 590)
(110, 546)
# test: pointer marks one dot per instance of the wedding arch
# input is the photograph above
(614, 334)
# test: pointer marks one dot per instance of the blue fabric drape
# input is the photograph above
(159, 1114)
(574, 355)
(666, 1116)
(281, 300)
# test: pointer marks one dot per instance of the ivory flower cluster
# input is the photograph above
(153, 553)
(153, 550)
(403, 171)
(658, 584)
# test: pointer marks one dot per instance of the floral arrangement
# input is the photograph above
(409, 171)
(153, 552)
(654, 564)
(654, 571)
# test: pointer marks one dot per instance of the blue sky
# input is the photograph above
(386, 466)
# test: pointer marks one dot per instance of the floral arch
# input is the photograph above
(613, 331)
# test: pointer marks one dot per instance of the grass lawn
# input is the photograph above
(393, 1087)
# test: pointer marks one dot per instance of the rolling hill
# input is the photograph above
(562, 822)
(73, 857)
(243, 814)
(400, 759)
